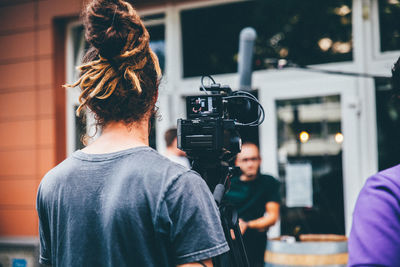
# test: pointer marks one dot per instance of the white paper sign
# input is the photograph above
(299, 191)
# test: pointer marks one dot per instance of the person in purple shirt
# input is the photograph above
(375, 234)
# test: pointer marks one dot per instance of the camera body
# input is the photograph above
(208, 129)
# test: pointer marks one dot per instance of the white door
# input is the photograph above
(310, 139)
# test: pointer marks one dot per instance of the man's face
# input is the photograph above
(249, 161)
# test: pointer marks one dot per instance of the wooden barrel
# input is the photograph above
(312, 250)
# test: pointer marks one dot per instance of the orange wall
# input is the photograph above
(32, 123)
(27, 106)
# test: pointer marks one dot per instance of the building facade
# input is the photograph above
(324, 133)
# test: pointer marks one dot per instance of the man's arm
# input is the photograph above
(207, 263)
(262, 224)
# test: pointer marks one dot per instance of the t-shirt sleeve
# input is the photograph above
(44, 231)
(273, 186)
(189, 210)
(374, 238)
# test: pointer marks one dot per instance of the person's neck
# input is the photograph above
(173, 151)
(245, 178)
(117, 136)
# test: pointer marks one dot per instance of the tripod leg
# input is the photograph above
(236, 257)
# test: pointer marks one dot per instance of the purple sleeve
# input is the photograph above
(375, 234)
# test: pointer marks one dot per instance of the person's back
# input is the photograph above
(117, 202)
(115, 210)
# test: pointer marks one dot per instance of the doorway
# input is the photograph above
(310, 165)
(310, 142)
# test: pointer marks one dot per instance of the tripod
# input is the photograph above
(217, 174)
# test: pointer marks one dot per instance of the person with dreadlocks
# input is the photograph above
(374, 239)
(117, 202)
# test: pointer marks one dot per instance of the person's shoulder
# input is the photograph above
(184, 161)
(187, 177)
(162, 161)
(188, 184)
(164, 168)
(269, 179)
(145, 160)
(390, 175)
(388, 180)
(235, 179)
(55, 175)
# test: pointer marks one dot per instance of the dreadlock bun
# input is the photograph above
(108, 24)
(120, 75)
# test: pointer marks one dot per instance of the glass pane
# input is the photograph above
(388, 123)
(389, 13)
(310, 165)
(79, 48)
(77, 34)
(306, 32)
(157, 42)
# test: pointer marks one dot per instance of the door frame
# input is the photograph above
(315, 85)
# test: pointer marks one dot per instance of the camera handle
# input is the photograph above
(217, 175)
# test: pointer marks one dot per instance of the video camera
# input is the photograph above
(211, 127)
(210, 137)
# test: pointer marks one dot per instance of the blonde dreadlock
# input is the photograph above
(123, 52)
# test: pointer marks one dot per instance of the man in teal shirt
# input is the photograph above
(256, 198)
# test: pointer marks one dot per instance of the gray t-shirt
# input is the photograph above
(127, 208)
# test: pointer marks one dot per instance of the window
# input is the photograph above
(306, 32)
(389, 13)
(77, 127)
(157, 43)
(155, 25)
(156, 28)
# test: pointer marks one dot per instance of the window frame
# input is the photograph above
(377, 54)
(72, 94)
